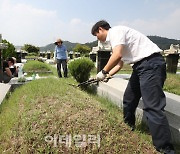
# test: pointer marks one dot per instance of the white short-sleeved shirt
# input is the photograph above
(136, 45)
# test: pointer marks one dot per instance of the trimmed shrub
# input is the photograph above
(80, 68)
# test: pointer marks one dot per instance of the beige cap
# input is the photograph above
(58, 40)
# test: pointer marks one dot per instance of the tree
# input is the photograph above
(30, 48)
(83, 49)
(92, 44)
(9, 51)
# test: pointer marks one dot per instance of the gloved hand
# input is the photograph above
(108, 76)
(100, 76)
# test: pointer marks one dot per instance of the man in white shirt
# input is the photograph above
(146, 81)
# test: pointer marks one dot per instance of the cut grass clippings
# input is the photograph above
(42, 113)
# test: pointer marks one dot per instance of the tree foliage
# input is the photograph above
(9, 51)
(83, 49)
(30, 48)
(92, 44)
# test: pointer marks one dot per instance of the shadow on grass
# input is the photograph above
(142, 127)
(90, 89)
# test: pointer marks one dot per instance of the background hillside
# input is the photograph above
(162, 42)
(51, 46)
(68, 44)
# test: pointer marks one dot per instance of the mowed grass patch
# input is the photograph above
(51, 107)
(172, 83)
(36, 66)
(41, 68)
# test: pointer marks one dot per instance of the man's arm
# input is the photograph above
(116, 68)
(115, 58)
(113, 71)
(8, 72)
(113, 61)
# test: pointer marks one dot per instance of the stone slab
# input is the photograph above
(4, 89)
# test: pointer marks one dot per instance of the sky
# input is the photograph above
(41, 22)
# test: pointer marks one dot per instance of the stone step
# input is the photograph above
(114, 91)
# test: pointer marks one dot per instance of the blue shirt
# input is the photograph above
(60, 52)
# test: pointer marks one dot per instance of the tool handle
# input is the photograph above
(93, 80)
(85, 82)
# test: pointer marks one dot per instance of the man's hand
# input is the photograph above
(100, 76)
(107, 78)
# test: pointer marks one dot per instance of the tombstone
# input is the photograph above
(71, 54)
(92, 56)
(23, 54)
(77, 54)
(172, 57)
(40, 54)
(18, 56)
(48, 55)
(172, 61)
(102, 58)
(43, 54)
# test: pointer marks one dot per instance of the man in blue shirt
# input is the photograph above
(60, 56)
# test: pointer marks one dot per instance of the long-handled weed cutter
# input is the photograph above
(88, 82)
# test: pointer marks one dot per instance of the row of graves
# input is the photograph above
(47, 54)
(103, 52)
(172, 58)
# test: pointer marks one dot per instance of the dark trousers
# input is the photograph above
(62, 62)
(147, 81)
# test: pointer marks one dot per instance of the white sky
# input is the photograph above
(40, 22)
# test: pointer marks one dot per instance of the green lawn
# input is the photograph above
(50, 108)
(172, 83)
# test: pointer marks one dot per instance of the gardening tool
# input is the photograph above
(90, 81)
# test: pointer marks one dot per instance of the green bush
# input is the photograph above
(80, 68)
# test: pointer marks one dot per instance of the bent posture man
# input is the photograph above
(146, 81)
